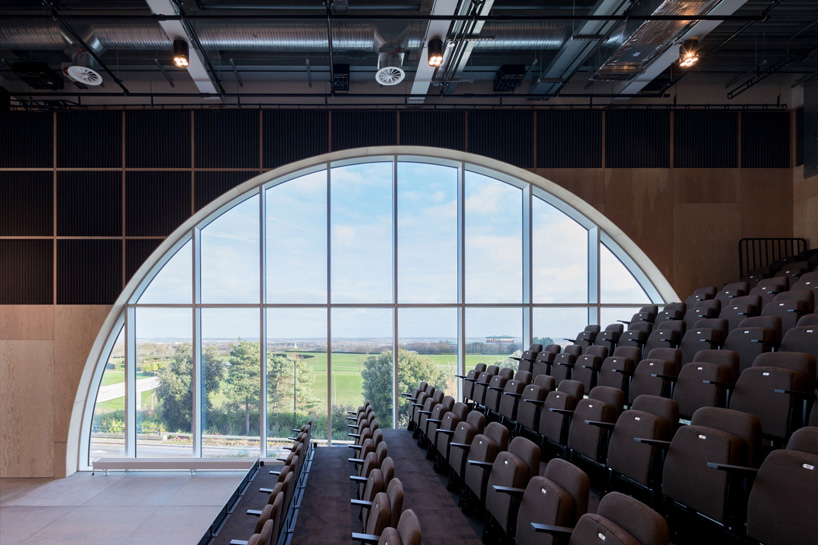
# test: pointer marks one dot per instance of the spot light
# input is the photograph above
(689, 55)
(435, 52)
(180, 53)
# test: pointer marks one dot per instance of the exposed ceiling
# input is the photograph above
(509, 52)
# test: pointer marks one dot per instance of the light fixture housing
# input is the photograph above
(688, 54)
(181, 52)
(435, 52)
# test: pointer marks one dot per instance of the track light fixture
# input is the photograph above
(435, 52)
(689, 55)
(180, 53)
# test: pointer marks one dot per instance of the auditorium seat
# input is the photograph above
(406, 533)
(768, 288)
(701, 294)
(484, 449)
(610, 336)
(526, 360)
(603, 404)
(532, 401)
(380, 515)
(701, 310)
(731, 291)
(801, 339)
(739, 309)
(748, 341)
(701, 384)
(617, 370)
(554, 418)
(511, 469)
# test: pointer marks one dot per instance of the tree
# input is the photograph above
(544, 341)
(280, 382)
(243, 377)
(412, 369)
(174, 390)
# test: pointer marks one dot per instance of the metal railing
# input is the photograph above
(755, 253)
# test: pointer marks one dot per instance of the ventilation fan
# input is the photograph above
(389, 68)
(82, 69)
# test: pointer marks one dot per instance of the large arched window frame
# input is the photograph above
(601, 233)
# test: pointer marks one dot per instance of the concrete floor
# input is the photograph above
(133, 508)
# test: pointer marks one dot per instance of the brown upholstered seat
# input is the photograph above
(484, 450)
(604, 404)
(621, 519)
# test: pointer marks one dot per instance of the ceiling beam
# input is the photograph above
(435, 29)
(463, 46)
(175, 29)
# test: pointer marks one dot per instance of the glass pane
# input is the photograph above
(108, 430)
(361, 365)
(296, 349)
(230, 256)
(164, 376)
(427, 233)
(296, 226)
(174, 282)
(492, 335)
(617, 284)
(427, 351)
(610, 315)
(554, 325)
(559, 248)
(231, 374)
(494, 244)
(362, 233)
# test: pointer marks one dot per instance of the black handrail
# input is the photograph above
(755, 253)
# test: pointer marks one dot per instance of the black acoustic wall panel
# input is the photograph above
(291, 135)
(136, 252)
(358, 129)
(765, 139)
(209, 185)
(157, 139)
(26, 140)
(569, 139)
(226, 138)
(503, 135)
(89, 204)
(156, 202)
(26, 269)
(705, 139)
(439, 129)
(26, 204)
(89, 272)
(637, 139)
(89, 139)
(799, 137)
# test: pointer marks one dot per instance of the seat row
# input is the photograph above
(378, 493)
(276, 517)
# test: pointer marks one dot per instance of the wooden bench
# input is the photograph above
(188, 464)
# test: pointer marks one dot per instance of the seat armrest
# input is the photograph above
(591, 367)
(445, 432)
(362, 503)
(238, 542)
(482, 383)
(671, 378)
(564, 412)
(286, 448)
(623, 322)
(623, 371)
(534, 401)
(356, 447)
(417, 404)
(482, 465)
(266, 490)
(352, 412)
(275, 473)
(254, 512)
(653, 442)
(800, 395)
(357, 479)
(763, 342)
(424, 412)
(571, 365)
(355, 460)
(365, 538)
(515, 358)
(281, 459)
(434, 420)
(570, 340)
(512, 394)
(599, 424)
(460, 376)
(495, 388)
(355, 435)
(464, 446)
(733, 468)
(517, 492)
(721, 384)
(353, 426)
(550, 529)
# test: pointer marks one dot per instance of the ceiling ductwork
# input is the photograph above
(650, 38)
(278, 37)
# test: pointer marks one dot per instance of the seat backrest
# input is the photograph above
(523, 376)
(545, 381)
(477, 420)
(553, 348)
(438, 396)
(673, 355)
(810, 319)
(480, 367)
(647, 327)
(573, 480)
(572, 387)
(728, 358)
(506, 373)
(377, 435)
(754, 393)
(770, 322)
(572, 349)
(660, 406)
(461, 410)
(374, 484)
(388, 470)
(265, 537)
(631, 352)
(801, 339)
(409, 528)
(645, 526)
(599, 351)
(719, 324)
(743, 425)
(807, 296)
(612, 396)
(395, 494)
(492, 369)
(644, 382)
(615, 328)
(797, 361)
(380, 515)
(776, 509)
(497, 433)
(804, 440)
(381, 452)
(528, 452)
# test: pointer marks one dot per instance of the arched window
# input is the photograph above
(288, 298)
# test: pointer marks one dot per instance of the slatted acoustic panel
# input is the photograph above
(502, 135)
(89, 272)
(438, 129)
(26, 269)
(292, 135)
(157, 138)
(136, 252)
(26, 140)
(569, 139)
(26, 203)
(705, 139)
(209, 184)
(765, 139)
(359, 128)
(637, 139)
(89, 139)
(89, 203)
(156, 202)
(226, 138)
(799, 137)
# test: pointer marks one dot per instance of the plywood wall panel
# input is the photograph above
(26, 322)
(707, 185)
(766, 203)
(26, 404)
(588, 183)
